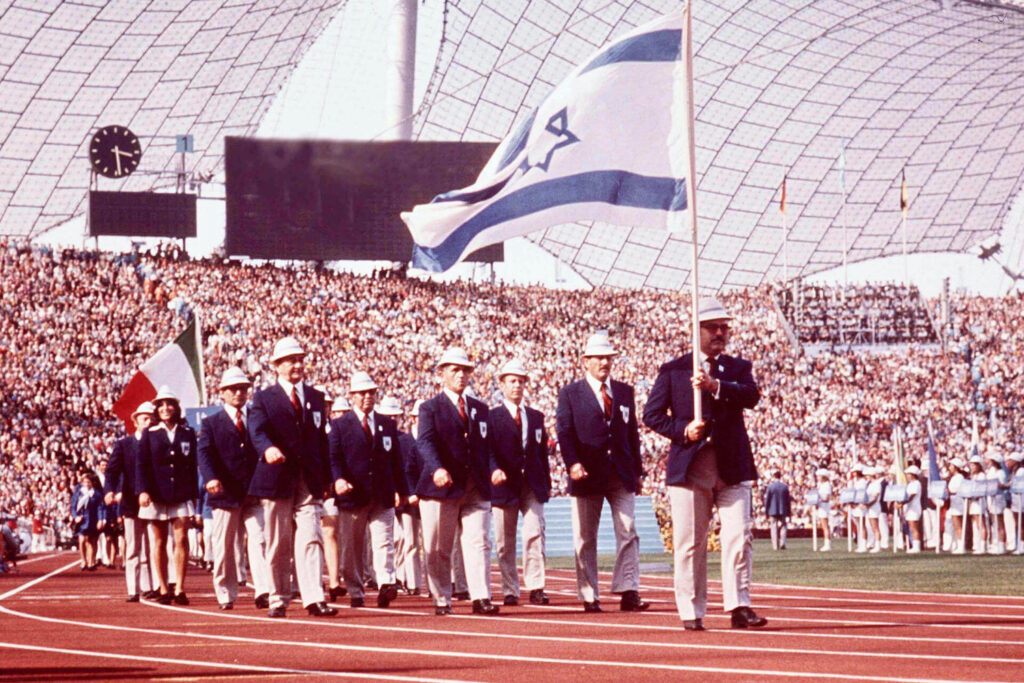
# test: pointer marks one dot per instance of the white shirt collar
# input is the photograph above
(360, 414)
(453, 397)
(288, 386)
(595, 383)
(233, 412)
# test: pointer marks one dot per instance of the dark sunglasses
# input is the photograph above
(716, 327)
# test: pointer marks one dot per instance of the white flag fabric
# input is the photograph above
(610, 143)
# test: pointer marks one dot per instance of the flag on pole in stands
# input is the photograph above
(903, 193)
(610, 143)
(782, 201)
(900, 460)
(179, 365)
(842, 165)
(933, 458)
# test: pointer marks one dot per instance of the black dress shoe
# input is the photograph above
(320, 609)
(164, 598)
(485, 608)
(371, 585)
(462, 595)
(511, 601)
(539, 597)
(276, 612)
(132, 598)
(262, 601)
(180, 599)
(693, 625)
(631, 602)
(356, 602)
(388, 592)
(592, 607)
(337, 592)
(442, 610)
(151, 595)
(744, 617)
(227, 605)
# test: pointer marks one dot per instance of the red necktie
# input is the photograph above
(519, 420)
(296, 405)
(606, 397)
(239, 425)
(462, 409)
(366, 429)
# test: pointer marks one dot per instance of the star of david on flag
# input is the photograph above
(610, 143)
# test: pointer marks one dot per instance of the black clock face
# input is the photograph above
(114, 151)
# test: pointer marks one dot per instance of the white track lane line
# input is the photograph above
(230, 666)
(603, 641)
(646, 666)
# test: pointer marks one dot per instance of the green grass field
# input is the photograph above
(800, 566)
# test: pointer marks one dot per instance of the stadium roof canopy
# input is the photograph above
(209, 68)
(934, 88)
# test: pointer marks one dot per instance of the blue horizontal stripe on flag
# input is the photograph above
(658, 46)
(619, 188)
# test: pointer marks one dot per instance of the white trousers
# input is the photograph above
(226, 529)
(352, 527)
(408, 568)
(306, 545)
(586, 517)
(136, 557)
(691, 506)
(778, 531)
(441, 518)
(505, 523)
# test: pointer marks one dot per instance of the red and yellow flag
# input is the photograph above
(903, 193)
(782, 201)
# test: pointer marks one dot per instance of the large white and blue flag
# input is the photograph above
(610, 143)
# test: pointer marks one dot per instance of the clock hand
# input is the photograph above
(117, 158)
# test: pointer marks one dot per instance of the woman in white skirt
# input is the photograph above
(957, 471)
(824, 511)
(912, 508)
(874, 506)
(976, 509)
(997, 502)
(167, 478)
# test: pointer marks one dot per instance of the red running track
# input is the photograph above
(58, 623)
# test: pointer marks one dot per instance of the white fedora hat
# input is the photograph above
(913, 469)
(340, 404)
(711, 309)
(977, 459)
(233, 377)
(361, 382)
(958, 463)
(1016, 457)
(513, 367)
(285, 348)
(598, 344)
(164, 393)
(389, 405)
(145, 408)
(455, 355)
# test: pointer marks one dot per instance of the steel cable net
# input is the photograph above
(161, 67)
(934, 88)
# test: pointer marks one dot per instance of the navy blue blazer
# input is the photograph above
(465, 451)
(92, 513)
(412, 464)
(227, 456)
(167, 471)
(776, 500)
(670, 408)
(372, 466)
(121, 472)
(605, 449)
(303, 440)
(519, 464)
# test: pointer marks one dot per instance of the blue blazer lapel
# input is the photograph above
(588, 399)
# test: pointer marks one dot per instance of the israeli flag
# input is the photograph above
(610, 143)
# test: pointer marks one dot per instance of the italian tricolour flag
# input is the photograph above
(179, 365)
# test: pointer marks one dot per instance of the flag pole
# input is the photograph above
(785, 233)
(691, 207)
(903, 209)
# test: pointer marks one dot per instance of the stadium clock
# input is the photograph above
(114, 151)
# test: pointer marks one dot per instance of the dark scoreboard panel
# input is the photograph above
(142, 214)
(339, 200)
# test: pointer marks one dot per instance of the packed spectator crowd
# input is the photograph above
(76, 325)
(886, 313)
